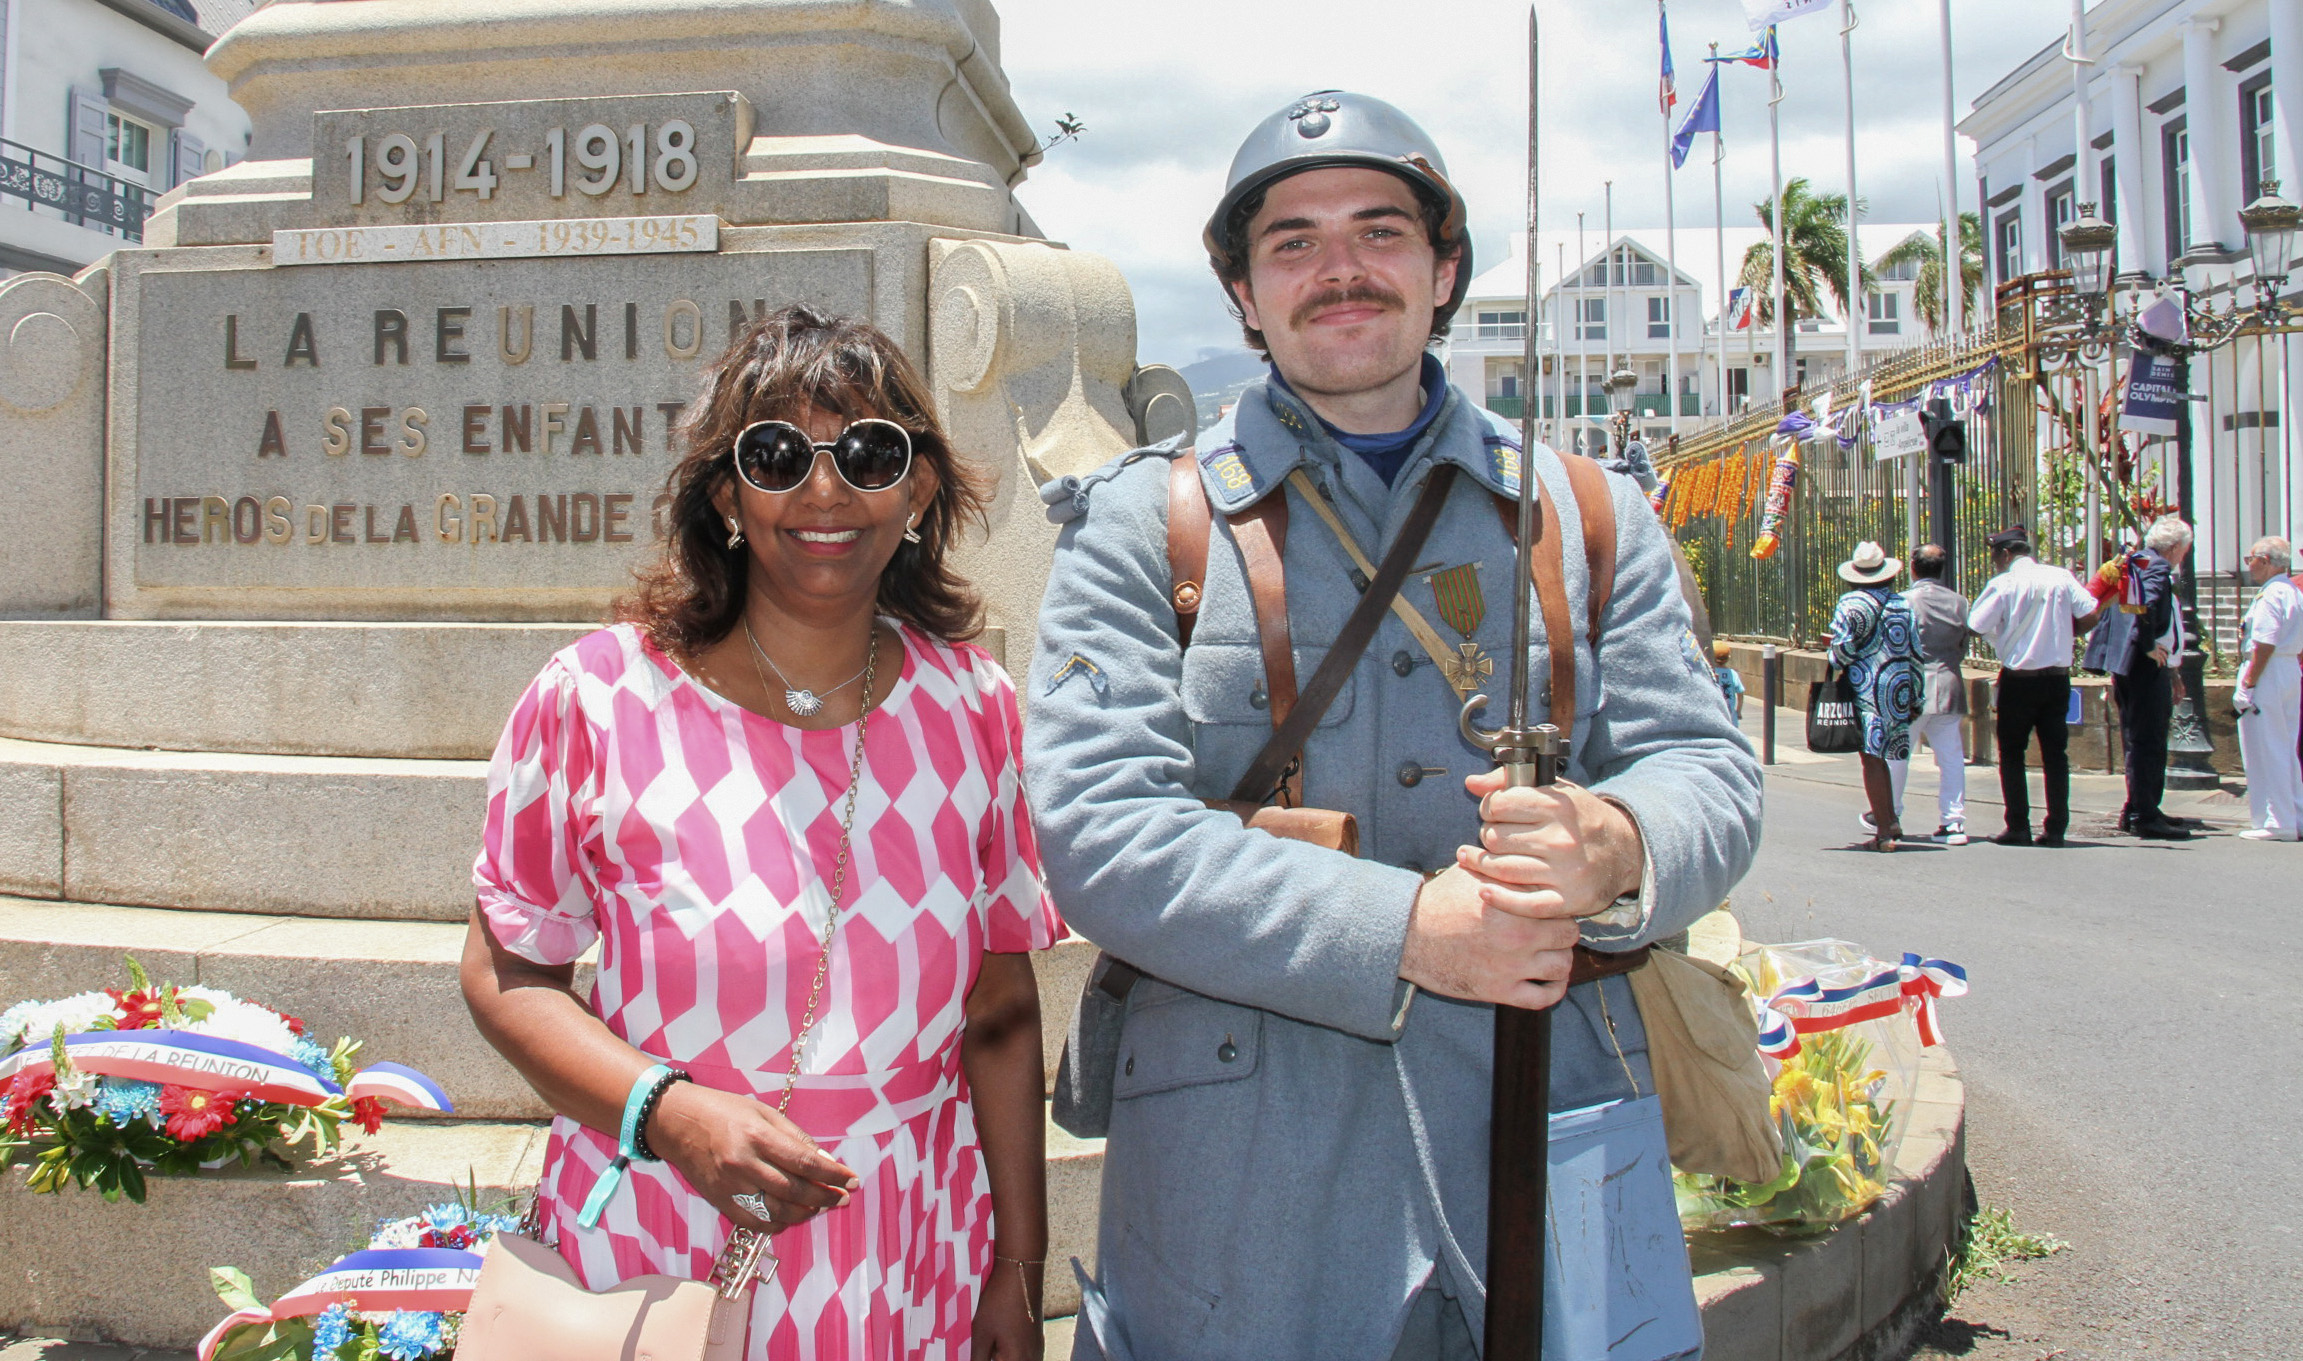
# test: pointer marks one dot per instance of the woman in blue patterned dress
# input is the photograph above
(1875, 640)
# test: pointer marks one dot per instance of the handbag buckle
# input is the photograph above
(738, 1266)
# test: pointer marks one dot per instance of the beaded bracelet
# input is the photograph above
(648, 1106)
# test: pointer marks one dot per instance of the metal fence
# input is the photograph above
(2044, 450)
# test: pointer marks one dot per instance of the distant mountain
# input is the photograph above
(1217, 381)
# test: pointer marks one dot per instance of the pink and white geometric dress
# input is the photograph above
(695, 840)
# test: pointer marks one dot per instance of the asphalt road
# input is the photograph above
(2129, 1045)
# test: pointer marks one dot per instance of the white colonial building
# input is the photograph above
(104, 106)
(2191, 106)
(1594, 324)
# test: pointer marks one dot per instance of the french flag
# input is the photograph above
(1667, 94)
(1740, 303)
(397, 1082)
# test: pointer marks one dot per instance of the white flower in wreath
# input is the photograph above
(32, 1022)
(234, 1019)
(75, 1088)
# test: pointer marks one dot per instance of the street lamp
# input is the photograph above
(2271, 222)
(1619, 387)
(2087, 242)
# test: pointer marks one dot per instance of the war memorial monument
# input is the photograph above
(311, 483)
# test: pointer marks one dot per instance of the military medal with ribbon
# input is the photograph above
(1462, 605)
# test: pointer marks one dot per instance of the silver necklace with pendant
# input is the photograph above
(800, 700)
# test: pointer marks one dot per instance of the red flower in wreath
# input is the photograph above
(295, 1025)
(139, 1010)
(25, 1093)
(193, 1114)
(368, 1112)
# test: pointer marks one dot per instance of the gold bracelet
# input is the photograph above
(1025, 1282)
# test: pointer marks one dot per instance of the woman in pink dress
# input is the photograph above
(782, 796)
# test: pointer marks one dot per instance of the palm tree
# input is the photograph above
(1926, 250)
(1815, 253)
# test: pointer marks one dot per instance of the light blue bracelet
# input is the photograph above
(627, 1143)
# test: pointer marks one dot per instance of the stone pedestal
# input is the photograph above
(311, 484)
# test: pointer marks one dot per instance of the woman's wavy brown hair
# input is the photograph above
(692, 595)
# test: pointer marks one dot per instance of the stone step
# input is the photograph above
(138, 1274)
(391, 984)
(433, 691)
(336, 836)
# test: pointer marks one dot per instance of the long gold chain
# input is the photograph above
(746, 1251)
(839, 878)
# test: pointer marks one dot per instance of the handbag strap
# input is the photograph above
(1263, 774)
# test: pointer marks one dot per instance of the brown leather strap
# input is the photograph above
(1591, 964)
(1548, 567)
(1261, 533)
(1596, 505)
(1262, 776)
(1187, 533)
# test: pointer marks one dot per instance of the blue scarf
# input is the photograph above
(1385, 453)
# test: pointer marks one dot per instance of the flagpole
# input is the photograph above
(1559, 347)
(1670, 267)
(1775, 169)
(1954, 244)
(1719, 229)
(1582, 351)
(1857, 312)
(1614, 326)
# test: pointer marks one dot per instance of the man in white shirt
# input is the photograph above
(2030, 613)
(2268, 694)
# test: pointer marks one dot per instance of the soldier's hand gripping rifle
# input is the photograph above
(1519, 1122)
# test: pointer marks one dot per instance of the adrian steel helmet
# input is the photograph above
(1337, 128)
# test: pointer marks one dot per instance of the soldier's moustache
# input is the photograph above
(1336, 297)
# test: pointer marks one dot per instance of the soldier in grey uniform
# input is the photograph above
(1298, 1119)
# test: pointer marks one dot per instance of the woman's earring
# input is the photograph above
(911, 535)
(735, 532)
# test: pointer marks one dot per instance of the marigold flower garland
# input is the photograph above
(105, 1088)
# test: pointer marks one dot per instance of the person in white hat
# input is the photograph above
(1875, 640)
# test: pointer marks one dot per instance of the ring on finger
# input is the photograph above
(754, 1204)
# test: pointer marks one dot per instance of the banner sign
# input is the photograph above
(2154, 403)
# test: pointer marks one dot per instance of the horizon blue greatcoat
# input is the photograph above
(1299, 1140)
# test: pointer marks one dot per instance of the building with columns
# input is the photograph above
(2184, 110)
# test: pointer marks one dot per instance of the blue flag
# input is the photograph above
(1702, 116)
(1667, 92)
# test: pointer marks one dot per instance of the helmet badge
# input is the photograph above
(1310, 116)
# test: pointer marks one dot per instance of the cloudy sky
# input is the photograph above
(1168, 90)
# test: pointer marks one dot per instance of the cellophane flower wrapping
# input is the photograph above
(1840, 1101)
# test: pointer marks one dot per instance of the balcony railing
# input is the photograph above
(1502, 331)
(90, 198)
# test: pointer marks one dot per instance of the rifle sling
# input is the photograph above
(1265, 772)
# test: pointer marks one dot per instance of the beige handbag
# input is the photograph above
(1703, 1048)
(528, 1304)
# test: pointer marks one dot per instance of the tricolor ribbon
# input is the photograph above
(211, 1063)
(1807, 1007)
(433, 1280)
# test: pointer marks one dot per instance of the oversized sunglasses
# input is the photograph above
(870, 455)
